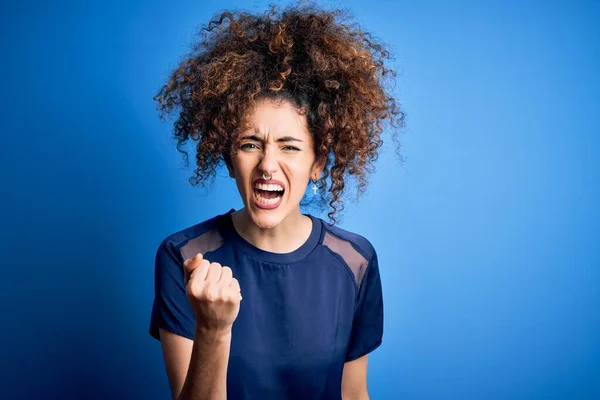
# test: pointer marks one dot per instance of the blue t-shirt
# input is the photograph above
(303, 314)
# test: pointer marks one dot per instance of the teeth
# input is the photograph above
(267, 201)
(269, 187)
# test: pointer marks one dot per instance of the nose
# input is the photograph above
(269, 162)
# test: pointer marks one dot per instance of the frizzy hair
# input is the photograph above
(330, 70)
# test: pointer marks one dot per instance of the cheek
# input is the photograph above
(242, 166)
(298, 175)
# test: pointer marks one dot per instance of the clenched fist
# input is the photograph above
(213, 293)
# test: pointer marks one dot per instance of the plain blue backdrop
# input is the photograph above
(488, 234)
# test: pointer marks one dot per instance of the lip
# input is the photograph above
(267, 206)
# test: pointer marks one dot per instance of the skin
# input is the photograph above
(277, 142)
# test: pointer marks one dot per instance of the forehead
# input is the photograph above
(276, 119)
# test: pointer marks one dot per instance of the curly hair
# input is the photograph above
(332, 71)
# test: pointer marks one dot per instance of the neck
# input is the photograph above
(286, 237)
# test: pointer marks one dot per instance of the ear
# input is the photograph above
(231, 171)
(229, 166)
(317, 168)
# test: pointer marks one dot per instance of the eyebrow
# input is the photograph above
(280, 140)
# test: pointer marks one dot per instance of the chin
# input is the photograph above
(265, 219)
(267, 225)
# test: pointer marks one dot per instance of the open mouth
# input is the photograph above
(268, 194)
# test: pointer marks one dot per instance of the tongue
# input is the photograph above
(267, 194)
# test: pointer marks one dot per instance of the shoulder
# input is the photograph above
(335, 236)
(202, 237)
(353, 249)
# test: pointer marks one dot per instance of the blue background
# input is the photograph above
(488, 234)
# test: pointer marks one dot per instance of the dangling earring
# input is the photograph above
(314, 188)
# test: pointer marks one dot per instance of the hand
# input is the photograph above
(213, 293)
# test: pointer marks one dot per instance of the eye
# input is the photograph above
(248, 146)
(291, 148)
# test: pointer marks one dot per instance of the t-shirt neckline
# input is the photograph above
(228, 231)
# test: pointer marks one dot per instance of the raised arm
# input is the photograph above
(197, 369)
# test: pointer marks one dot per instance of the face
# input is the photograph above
(277, 143)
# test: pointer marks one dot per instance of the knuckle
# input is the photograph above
(214, 271)
(212, 293)
(194, 291)
(234, 294)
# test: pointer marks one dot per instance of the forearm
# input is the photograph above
(363, 396)
(207, 374)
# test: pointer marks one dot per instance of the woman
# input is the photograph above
(281, 100)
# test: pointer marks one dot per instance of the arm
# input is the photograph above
(366, 334)
(200, 300)
(197, 369)
(354, 380)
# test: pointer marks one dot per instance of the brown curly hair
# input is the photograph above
(330, 70)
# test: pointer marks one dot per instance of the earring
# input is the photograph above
(314, 188)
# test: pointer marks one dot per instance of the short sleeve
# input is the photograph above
(171, 309)
(367, 326)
